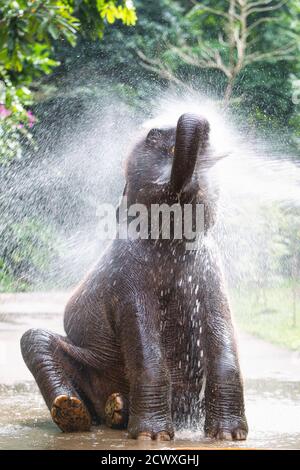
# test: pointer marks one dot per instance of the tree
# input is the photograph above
(28, 31)
(115, 57)
(237, 27)
(262, 92)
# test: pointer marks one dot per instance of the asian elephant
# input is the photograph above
(149, 339)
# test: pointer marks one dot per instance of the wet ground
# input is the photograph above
(272, 382)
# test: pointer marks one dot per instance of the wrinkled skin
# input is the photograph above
(152, 321)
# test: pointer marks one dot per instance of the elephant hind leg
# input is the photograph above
(56, 374)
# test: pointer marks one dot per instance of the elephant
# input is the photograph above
(150, 344)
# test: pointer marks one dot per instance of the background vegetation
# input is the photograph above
(59, 58)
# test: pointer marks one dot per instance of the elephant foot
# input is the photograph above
(230, 432)
(116, 411)
(70, 414)
(151, 428)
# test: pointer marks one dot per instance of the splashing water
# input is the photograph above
(254, 178)
(255, 181)
(259, 200)
(251, 168)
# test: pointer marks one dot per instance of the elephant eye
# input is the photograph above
(171, 150)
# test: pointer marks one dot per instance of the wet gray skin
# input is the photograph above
(272, 389)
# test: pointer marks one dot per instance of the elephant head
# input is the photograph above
(170, 165)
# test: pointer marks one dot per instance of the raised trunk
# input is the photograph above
(191, 138)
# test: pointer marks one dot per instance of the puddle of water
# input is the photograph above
(272, 401)
(273, 410)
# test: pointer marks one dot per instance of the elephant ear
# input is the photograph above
(209, 159)
(154, 136)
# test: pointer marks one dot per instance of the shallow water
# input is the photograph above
(272, 382)
(273, 410)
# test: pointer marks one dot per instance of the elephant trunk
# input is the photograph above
(191, 139)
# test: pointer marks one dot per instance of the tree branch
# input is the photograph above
(222, 40)
(261, 20)
(156, 66)
(221, 65)
(213, 59)
(281, 53)
(258, 3)
(201, 6)
(258, 9)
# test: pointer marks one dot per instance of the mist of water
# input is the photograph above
(87, 170)
(63, 187)
(259, 186)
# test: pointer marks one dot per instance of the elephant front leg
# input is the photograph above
(150, 387)
(150, 405)
(224, 395)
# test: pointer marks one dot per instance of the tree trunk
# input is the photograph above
(228, 91)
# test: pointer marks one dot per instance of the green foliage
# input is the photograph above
(28, 32)
(262, 91)
(112, 12)
(25, 258)
(95, 14)
(14, 119)
(265, 272)
(114, 59)
(7, 281)
(274, 324)
(289, 234)
(200, 48)
(27, 24)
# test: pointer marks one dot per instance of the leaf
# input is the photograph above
(110, 17)
(53, 31)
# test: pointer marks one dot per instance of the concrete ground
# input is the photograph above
(272, 383)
